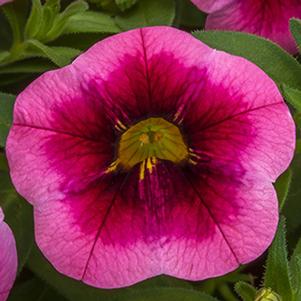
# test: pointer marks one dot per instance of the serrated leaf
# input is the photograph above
(245, 290)
(125, 4)
(91, 22)
(50, 11)
(147, 13)
(277, 274)
(35, 19)
(6, 113)
(60, 56)
(18, 214)
(277, 63)
(282, 186)
(76, 7)
(293, 97)
(295, 268)
(295, 26)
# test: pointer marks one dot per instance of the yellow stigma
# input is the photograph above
(146, 142)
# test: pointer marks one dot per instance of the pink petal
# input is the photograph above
(236, 123)
(267, 18)
(99, 236)
(128, 233)
(57, 163)
(69, 141)
(223, 224)
(110, 229)
(8, 259)
(210, 6)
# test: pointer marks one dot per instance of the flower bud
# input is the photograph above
(266, 294)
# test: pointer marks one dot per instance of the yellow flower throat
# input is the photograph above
(146, 142)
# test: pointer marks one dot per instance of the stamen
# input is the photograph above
(177, 116)
(149, 165)
(120, 126)
(192, 162)
(112, 166)
(142, 170)
(193, 157)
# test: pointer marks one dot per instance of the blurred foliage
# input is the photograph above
(37, 36)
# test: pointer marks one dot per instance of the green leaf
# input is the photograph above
(147, 13)
(295, 26)
(277, 63)
(293, 97)
(6, 113)
(60, 56)
(245, 290)
(59, 24)
(295, 266)
(295, 269)
(75, 7)
(18, 214)
(158, 288)
(32, 290)
(91, 22)
(277, 274)
(292, 211)
(282, 186)
(125, 4)
(50, 11)
(35, 20)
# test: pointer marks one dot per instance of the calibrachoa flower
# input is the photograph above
(267, 18)
(8, 259)
(151, 154)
